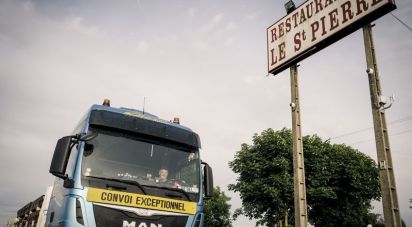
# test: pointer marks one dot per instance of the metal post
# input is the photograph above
(387, 179)
(298, 161)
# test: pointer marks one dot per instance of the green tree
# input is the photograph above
(340, 181)
(217, 210)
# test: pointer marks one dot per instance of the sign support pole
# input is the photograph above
(298, 161)
(387, 179)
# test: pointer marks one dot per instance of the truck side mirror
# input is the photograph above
(208, 180)
(61, 157)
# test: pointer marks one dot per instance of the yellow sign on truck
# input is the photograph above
(139, 200)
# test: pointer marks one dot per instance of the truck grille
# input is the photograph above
(109, 217)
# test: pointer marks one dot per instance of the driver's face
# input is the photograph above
(163, 174)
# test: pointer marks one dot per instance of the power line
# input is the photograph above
(401, 120)
(351, 133)
(392, 135)
(400, 133)
(366, 129)
(403, 23)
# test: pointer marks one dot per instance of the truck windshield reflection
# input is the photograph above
(123, 157)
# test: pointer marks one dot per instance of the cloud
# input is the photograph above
(230, 41)
(252, 16)
(215, 34)
(77, 24)
(217, 18)
(192, 12)
(200, 45)
(231, 26)
(143, 47)
(212, 23)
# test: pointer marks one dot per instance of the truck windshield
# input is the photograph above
(155, 166)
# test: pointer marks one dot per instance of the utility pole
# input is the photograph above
(299, 185)
(391, 211)
(298, 161)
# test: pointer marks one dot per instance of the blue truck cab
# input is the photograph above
(126, 168)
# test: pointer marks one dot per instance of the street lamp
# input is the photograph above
(290, 6)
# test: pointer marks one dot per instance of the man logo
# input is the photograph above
(142, 224)
(127, 224)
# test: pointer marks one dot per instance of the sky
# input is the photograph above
(203, 61)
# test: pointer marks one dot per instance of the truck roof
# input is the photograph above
(142, 123)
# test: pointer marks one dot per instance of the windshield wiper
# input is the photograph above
(172, 189)
(121, 181)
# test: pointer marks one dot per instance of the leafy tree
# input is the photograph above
(340, 181)
(217, 210)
